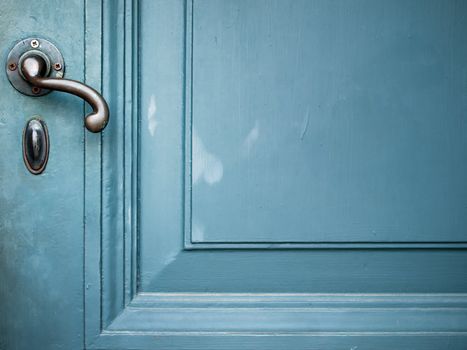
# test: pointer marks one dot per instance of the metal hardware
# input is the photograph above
(40, 68)
(26, 48)
(35, 145)
(34, 43)
(33, 69)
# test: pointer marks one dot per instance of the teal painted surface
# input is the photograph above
(165, 265)
(107, 261)
(328, 121)
(227, 104)
(41, 217)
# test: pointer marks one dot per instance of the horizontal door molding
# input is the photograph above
(168, 321)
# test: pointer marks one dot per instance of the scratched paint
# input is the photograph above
(306, 122)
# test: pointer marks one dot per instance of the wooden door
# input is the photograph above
(275, 174)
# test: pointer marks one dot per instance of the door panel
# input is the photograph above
(41, 217)
(388, 173)
(259, 147)
(325, 121)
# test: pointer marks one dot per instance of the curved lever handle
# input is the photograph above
(33, 69)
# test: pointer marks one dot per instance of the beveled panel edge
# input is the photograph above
(300, 300)
(326, 245)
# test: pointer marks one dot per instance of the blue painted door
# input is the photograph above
(275, 174)
(41, 217)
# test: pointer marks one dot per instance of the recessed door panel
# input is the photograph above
(272, 125)
(326, 121)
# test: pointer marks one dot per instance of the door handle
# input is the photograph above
(33, 69)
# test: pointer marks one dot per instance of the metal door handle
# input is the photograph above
(33, 69)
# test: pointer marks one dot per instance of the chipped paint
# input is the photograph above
(197, 232)
(251, 138)
(151, 116)
(207, 167)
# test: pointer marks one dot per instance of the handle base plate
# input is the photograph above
(29, 46)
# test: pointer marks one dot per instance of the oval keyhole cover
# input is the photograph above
(35, 145)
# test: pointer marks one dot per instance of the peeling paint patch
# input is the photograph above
(197, 232)
(152, 122)
(251, 138)
(206, 166)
